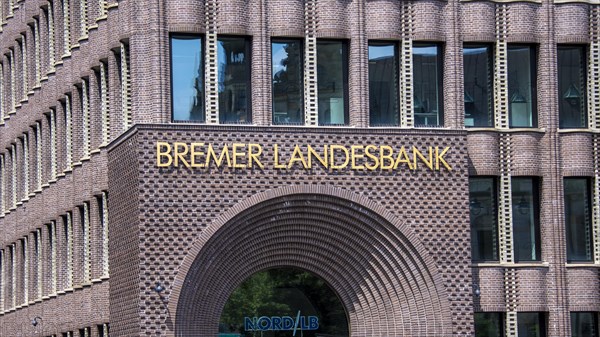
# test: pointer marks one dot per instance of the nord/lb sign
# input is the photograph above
(281, 323)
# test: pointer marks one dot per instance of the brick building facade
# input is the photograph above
(453, 188)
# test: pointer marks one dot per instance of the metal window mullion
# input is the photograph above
(104, 103)
(51, 43)
(38, 151)
(39, 265)
(85, 109)
(66, 29)
(125, 87)
(105, 237)
(211, 76)
(25, 271)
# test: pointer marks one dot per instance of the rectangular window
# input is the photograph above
(488, 324)
(525, 211)
(483, 213)
(478, 86)
(332, 70)
(584, 324)
(427, 84)
(383, 84)
(522, 86)
(531, 324)
(187, 78)
(572, 88)
(578, 219)
(234, 79)
(288, 81)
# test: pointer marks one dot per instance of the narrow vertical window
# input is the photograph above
(53, 263)
(52, 127)
(483, 214)
(572, 107)
(525, 211)
(13, 269)
(104, 101)
(187, 78)
(3, 107)
(2, 277)
(332, 79)
(584, 324)
(478, 79)
(25, 270)
(38, 150)
(287, 81)
(103, 210)
(51, 57)
(13, 157)
(125, 87)
(234, 79)
(37, 51)
(68, 230)
(25, 141)
(24, 70)
(531, 324)
(39, 263)
(13, 96)
(84, 213)
(85, 120)
(3, 183)
(383, 84)
(578, 219)
(68, 132)
(522, 86)
(427, 84)
(66, 28)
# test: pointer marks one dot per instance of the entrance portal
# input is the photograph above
(283, 302)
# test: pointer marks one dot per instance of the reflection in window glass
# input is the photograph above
(488, 324)
(572, 87)
(332, 78)
(234, 79)
(584, 324)
(521, 87)
(187, 78)
(269, 303)
(288, 81)
(383, 84)
(525, 219)
(531, 324)
(478, 97)
(578, 219)
(484, 229)
(427, 85)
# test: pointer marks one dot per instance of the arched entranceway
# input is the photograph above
(383, 275)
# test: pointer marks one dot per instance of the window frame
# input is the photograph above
(202, 38)
(495, 205)
(585, 54)
(396, 45)
(536, 194)
(345, 78)
(248, 70)
(490, 74)
(533, 64)
(589, 204)
(440, 81)
(276, 39)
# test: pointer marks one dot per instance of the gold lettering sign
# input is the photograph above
(330, 156)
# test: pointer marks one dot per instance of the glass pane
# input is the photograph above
(584, 324)
(427, 85)
(279, 302)
(577, 219)
(332, 80)
(525, 219)
(187, 78)
(484, 229)
(288, 82)
(234, 80)
(488, 324)
(383, 84)
(478, 86)
(531, 324)
(521, 82)
(571, 87)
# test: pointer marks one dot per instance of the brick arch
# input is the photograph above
(383, 275)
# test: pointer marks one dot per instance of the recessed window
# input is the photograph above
(584, 324)
(578, 219)
(187, 78)
(332, 78)
(233, 54)
(483, 214)
(531, 324)
(488, 324)
(383, 84)
(521, 86)
(283, 302)
(525, 212)
(572, 86)
(288, 81)
(427, 84)
(478, 86)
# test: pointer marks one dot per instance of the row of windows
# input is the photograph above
(483, 202)
(102, 330)
(71, 251)
(288, 76)
(533, 324)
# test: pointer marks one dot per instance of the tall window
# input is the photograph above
(383, 84)
(522, 86)
(572, 86)
(488, 324)
(478, 95)
(584, 324)
(187, 78)
(234, 79)
(525, 211)
(287, 80)
(578, 219)
(332, 70)
(427, 84)
(483, 211)
(531, 324)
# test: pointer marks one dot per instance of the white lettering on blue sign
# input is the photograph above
(281, 323)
